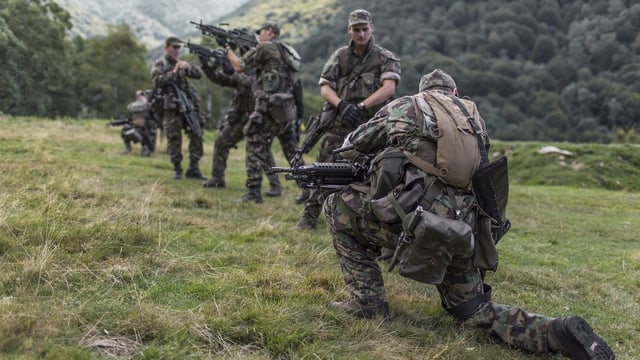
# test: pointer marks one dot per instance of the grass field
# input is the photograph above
(103, 255)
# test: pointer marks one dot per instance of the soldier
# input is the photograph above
(143, 122)
(169, 76)
(274, 113)
(358, 230)
(358, 79)
(231, 130)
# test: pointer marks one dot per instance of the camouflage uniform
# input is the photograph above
(143, 121)
(358, 234)
(374, 66)
(231, 130)
(173, 120)
(274, 114)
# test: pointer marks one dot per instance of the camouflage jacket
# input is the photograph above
(272, 72)
(242, 83)
(396, 125)
(162, 76)
(376, 65)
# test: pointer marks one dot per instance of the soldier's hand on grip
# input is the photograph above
(350, 113)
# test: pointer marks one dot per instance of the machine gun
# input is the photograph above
(185, 106)
(236, 38)
(325, 175)
(333, 175)
(204, 54)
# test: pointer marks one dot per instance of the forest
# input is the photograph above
(548, 70)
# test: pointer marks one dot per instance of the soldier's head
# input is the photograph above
(140, 94)
(268, 30)
(172, 46)
(438, 80)
(360, 27)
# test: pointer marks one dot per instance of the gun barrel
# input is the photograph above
(277, 169)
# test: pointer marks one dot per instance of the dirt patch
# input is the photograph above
(116, 346)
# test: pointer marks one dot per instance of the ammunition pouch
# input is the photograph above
(283, 107)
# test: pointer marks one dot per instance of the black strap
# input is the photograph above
(463, 311)
(481, 143)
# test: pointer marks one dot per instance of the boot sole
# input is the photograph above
(587, 345)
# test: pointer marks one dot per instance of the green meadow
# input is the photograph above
(103, 255)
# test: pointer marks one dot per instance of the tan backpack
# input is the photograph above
(458, 155)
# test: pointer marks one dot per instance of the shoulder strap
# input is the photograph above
(476, 128)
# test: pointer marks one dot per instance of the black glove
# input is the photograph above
(351, 115)
(204, 60)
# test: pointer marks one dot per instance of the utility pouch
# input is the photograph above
(491, 188)
(328, 115)
(387, 169)
(283, 107)
(262, 102)
(427, 245)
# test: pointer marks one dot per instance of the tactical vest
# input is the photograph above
(274, 73)
(358, 80)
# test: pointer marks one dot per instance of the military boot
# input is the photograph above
(193, 172)
(574, 338)
(274, 190)
(127, 146)
(177, 171)
(307, 222)
(214, 183)
(303, 197)
(252, 195)
(145, 151)
(359, 308)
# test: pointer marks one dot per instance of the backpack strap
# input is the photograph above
(476, 128)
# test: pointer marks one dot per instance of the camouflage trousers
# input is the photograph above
(260, 131)
(229, 135)
(330, 142)
(173, 123)
(358, 236)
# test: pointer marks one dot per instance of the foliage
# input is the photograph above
(543, 70)
(103, 255)
(35, 72)
(571, 64)
(110, 69)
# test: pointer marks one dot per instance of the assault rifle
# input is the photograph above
(236, 38)
(333, 175)
(119, 121)
(185, 106)
(204, 54)
(316, 127)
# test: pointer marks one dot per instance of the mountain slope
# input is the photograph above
(151, 21)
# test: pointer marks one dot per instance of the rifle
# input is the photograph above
(325, 175)
(236, 38)
(204, 54)
(119, 121)
(317, 126)
(186, 108)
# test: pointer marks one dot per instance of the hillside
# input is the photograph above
(150, 21)
(103, 256)
(540, 70)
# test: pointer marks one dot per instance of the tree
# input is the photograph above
(37, 58)
(110, 70)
